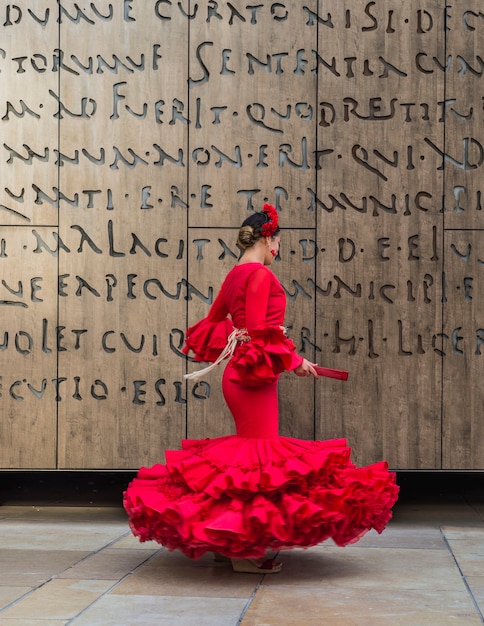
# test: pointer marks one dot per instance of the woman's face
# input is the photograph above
(272, 248)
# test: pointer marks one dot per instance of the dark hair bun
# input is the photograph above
(247, 237)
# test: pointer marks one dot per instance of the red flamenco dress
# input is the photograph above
(245, 494)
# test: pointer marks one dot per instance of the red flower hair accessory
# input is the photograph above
(272, 224)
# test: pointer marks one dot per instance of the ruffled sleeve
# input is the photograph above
(208, 337)
(262, 359)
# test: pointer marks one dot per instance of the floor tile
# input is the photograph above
(368, 567)
(476, 585)
(9, 593)
(147, 610)
(470, 564)
(467, 546)
(348, 606)
(464, 532)
(58, 599)
(32, 622)
(172, 574)
(34, 567)
(404, 535)
(130, 542)
(107, 565)
(46, 535)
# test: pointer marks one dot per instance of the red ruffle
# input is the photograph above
(242, 497)
(207, 339)
(262, 360)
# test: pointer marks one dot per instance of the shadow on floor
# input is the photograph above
(63, 487)
(106, 488)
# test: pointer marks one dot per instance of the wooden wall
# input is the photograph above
(137, 136)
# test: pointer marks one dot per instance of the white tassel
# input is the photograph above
(235, 336)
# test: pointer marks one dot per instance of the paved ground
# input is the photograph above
(67, 557)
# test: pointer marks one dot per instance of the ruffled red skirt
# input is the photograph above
(244, 496)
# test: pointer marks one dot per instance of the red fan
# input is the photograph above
(330, 373)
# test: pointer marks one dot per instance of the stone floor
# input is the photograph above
(67, 557)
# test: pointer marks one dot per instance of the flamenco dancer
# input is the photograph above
(241, 496)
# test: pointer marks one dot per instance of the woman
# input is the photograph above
(242, 495)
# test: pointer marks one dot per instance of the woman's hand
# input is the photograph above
(306, 369)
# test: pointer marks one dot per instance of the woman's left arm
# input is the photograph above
(257, 299)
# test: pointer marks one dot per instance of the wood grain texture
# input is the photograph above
(380, 235)
(136, 137)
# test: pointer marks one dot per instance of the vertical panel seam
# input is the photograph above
(316, 225)
(187, 184)
(442, 299)
(57, 429)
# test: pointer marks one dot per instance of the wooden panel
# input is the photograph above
(296, 271)
(463, 154)
(123, 264)
(28, 203)
(212, 252)
(135, 139)
(379, 233)
(28, 113)
(462, 158)
(252, 89)
(463, 338)
(28, 350)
